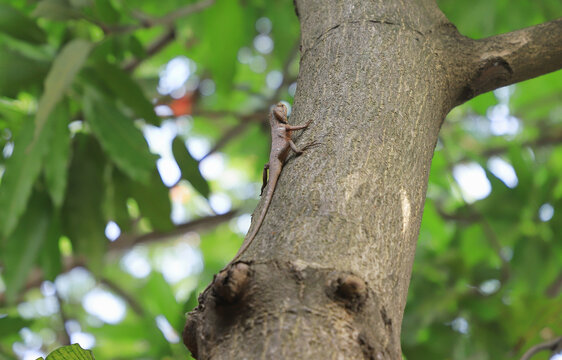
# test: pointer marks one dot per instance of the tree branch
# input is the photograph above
(126, 241)
(547, 139)
(555, 287)
(168, 19)
(236, 130)
(183, 11)
(553, 138)
(516, 56)
(225, 139)
(133, 303)
(548, 345)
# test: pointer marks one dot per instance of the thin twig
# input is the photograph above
(496, 246)
(238, 129)
(152, 49)
(65, 335)
(133, 303)
(457, 217)
(547, 345)
(183, 12)
(546, 140)
(227, 136)
(555, 287)
(168, 19)
(475, 216)
(486, 227)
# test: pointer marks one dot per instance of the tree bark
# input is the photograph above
(327, 275)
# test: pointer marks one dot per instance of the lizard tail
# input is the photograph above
(268, 196)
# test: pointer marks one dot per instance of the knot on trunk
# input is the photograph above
(230, 284)
(349, 290)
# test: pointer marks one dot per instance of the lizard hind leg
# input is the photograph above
(264, 175)
(309, 145)
(294, 147)
(305, 147)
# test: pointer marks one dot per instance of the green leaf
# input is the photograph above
(106, 12)
(127, 90)
(12, 325)
(158, 298)
(189, 167)
(49, 256)
(11, 115)
(154, 202)
(81, 3)
(71, 352)
(19, 26)
(474, 246)
(22, 169)
(482, 102)
(82, 216)
(62, 73)
(113, 46)
(118, 192)
(434, 230)
(23, 245)
(136, 48)
(286, 28)
(537, 98)
(24, 72)
(56, 160)
(56, 10)
(130, 329)
(118, 135)
(133, 338)
(220, 49)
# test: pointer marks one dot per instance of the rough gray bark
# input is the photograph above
(327, 275)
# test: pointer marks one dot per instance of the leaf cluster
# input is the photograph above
(80, 84)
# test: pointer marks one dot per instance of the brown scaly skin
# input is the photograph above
(281, 143)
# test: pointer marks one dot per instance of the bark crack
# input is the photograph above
(325, 34)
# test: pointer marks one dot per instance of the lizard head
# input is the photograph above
(281, 112)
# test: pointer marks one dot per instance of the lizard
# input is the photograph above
(281, 143)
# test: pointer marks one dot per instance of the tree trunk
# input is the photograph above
(327, 275)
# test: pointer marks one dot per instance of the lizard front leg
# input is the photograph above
(297, 127)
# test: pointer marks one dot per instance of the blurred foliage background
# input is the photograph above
(133, 136)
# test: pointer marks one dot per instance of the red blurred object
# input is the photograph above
(183, 105)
